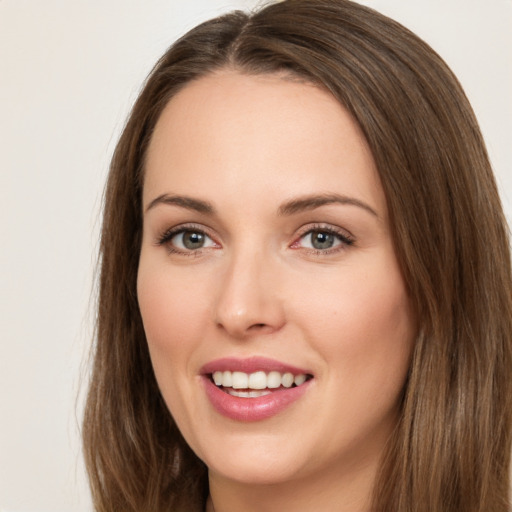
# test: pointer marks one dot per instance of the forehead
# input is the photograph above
(258, 134)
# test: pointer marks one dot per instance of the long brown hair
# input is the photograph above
(451, 448)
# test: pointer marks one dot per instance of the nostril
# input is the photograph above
(259, 327)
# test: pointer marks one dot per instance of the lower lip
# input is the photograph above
(252, 409)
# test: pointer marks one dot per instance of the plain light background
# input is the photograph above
(69, 72)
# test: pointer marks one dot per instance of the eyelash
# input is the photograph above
(345, 239)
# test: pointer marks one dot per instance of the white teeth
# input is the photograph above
(299, 379)
(240, 380)
(273, 380)
(227, 379)
(248, 394)
(287, 380)
(255, 394)
(256, 381)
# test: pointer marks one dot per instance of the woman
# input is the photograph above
(305, 296)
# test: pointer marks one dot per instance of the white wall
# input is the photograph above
(69, 71)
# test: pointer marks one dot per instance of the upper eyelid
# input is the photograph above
(321, 226)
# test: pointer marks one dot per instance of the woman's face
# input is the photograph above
(267, 259)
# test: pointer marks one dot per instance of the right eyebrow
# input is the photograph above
(187, 202)
(316, 201)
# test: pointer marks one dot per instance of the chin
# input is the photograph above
(256, 460)
(261, 471)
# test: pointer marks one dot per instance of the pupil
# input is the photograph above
(193, 240)
(322, 240)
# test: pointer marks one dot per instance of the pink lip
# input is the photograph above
(251, 409)
(249, 365)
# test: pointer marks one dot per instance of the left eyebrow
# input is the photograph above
(186, 202)
(306, 203)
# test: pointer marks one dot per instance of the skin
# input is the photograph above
(247, 145)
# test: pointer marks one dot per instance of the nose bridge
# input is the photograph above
(248, 300)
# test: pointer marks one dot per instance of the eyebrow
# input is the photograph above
(189, 203)
(315, 201)
(291, 207)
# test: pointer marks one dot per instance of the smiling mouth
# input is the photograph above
(256, 384)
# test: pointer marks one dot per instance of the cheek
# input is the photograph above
(174, 322)
(363, 326)
(171, 310)
(363, 330)
(174, 317)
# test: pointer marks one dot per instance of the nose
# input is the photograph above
(248, 302)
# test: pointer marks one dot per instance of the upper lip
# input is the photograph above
(250, 365)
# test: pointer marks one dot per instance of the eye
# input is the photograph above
(321, 239)
(186, 240)
(191, 240)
